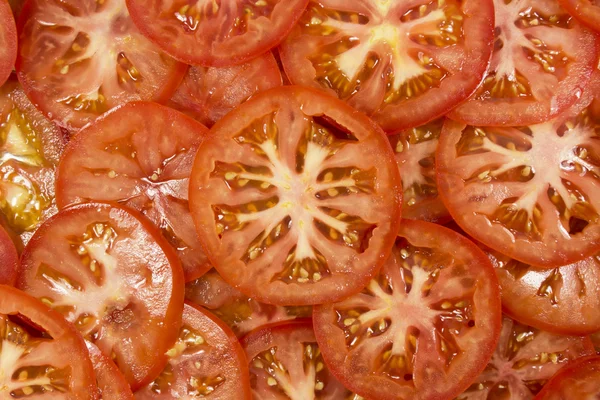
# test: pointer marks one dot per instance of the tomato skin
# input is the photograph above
(8, 38)
(577, 380)
(9, 259)
(111, 383)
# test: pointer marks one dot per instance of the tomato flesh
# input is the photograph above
(578, 380)
(586, 11)
(8, 38)
(111, 383)
(9, 259)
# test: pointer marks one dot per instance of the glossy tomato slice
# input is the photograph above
(578, 380)
(80, 58)
(240, 312)
(405, 62)
(286, 363)
(216, 33)
(207, 361)
(9, 259)
(111, 383)
(42, 355)
(415, 154)
(208, 93)
(586, 11)
(529, 192)
(8, 39)
(112, 274)
(542, 61)
(296, 197)
(424, 327)
(139, 155)
(523, 361)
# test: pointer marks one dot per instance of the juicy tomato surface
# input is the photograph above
(240, 312)
(529, 192)
(42, 356)
(79, 58)
(208, 93)
(576, 381)
(111, 383)
(139, 155)
(112, 275)
(207, 361)
(586, 11)
(404, 62)
(542, 61)
(216, 33)
(8, 39)
(424, 327)
(9, 259)
(415, 154)
(286, 363)
(30, 149)
(296, 197)
(523, 361)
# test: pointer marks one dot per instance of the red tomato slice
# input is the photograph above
(9, 259)
(286, 363)
(405, 62)
(207, 361)
(240, 312)
(523, 361)
(424, 327)
(216, 33)
(42, 355)
(530, 192)
(586, 11)
(415, 155)
(80, 58)
(542, 61)
(110, 273)
(296, 197)
(111, 383)
(8, 39)
(576, 381)
(139, 155)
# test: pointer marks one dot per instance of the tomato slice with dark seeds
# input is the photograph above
(9, 259)
(111, 383)
(424, 327)
(8, 38)
(41, 355)
(109, 272)
(576, 381)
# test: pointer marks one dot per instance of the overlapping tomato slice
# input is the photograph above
(111, 383)
(9, 259)
(586, 11)
(8, 39)
(578, 380)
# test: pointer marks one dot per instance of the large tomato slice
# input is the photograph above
(207, 361)
(530, 192)
(240, 312)
(286, 363)
(41, 355)
(542, 61)
(296, 197)
(586, 11)
(139, 155)
(405, 62)
(112, 274)
(9, 259)
(424, 327)
(111, 383)
(523, 361)
(80, 58)
(8, 39)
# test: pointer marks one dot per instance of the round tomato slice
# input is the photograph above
(139, 155)
(404, 62)
(529, 192)
(8, 38)
(424, 327)
(216, 33)
(208, 93)
(296, 197)
(523, 361)
(586, 11)
(9, 259)
(542, 61)
(42, 356)
(112, 274)
(207, 361)
(111, 382)
(286, 363)
(576, 381)
(78, 59)
(240, 312)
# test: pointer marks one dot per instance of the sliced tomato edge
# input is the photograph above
(565, 372)
(9, 25)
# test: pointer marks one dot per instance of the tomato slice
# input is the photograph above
(578, 380)
(216, 33)
(424, 327)
(42, 356)
(8, 38)
(240, 312)
(110, 273)
(286, 363)
(415, 154)
(207, 361)
(111, 383)
(296, 197)
(9, 259)
(78, 59)
(404, 62)
(528, 192)
(586, 11)
(542, 61)
(139, 155)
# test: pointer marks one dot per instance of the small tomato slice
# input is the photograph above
(41, 354)
(139, 155)
(80, 58)
(296, 197)
(9, 259)
(576, 381)
(111, 382)
(424, 327)
(404, 62)
(586, 11)
(109, 272)
(8, 39)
